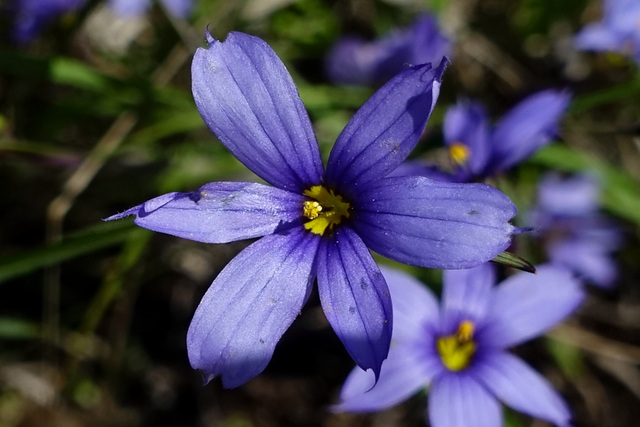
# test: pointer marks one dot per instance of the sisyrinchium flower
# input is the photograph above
(132, 8)
(478, 151)
(618, 31)
(459, 351)
(31, 16)
(575, 233)
(354, 60)
(316, 223)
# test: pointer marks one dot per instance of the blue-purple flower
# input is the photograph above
(314, 223)
(133, 8)
(458, 350)
(31, 16)
(576, 235)
(618, 31)
(354, 60)
(478, 151)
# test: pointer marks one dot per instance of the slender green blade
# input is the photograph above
(78, 244)
(513, 260)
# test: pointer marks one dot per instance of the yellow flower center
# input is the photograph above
(457, 350)
(459, 153)
(325, 210)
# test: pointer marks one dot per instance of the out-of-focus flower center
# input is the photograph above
(459, 153)
(325, 210)
(457, 350)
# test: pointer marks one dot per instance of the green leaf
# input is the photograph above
(12, 328)
(630, 89)
(512, 260)
(568, 358)
(59, 70)
(75, 245)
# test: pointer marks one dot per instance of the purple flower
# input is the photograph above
(31, 16)
(353, 60)
(133, 8)
(618, 31)
(576, 235)
(459, 350)
(479, 151)
(315, 222)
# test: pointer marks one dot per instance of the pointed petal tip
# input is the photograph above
(209, 37)
(442, 67)
(522, 230)
(376, 372)
(128, 212)
(206, 377)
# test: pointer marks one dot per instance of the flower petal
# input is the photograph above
(352, 60)
(457, 400)
(220, 212)
(526, 305)
(528, 126)
(30, 17)
(576, 196)
(179, 8)
(520, 387)
(385, 129)
(467, 123)
(435, 224)
(129, 8)
(598, 37)
(466, 295)
(587, 258)
(249, 306)
(403, 373)
(422, 43)
(249, 101)
(428, 43)
(414, 306)
(413, 167)
(355, 298)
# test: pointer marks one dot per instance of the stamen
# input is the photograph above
(456, 351)
(311, 209)
(459, 153)
(465, 331)
(325, 211)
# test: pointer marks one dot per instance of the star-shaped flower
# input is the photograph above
(354, 60)
(618, 31)
(479, 150)
(132, 8)
(576, 235)
(316, 223)
(31, 16)
(458, 350)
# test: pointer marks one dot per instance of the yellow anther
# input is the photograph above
(465, 331)
(325, 210)
(456, 351)
(459, 153)
(311, 209)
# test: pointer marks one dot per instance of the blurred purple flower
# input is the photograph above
(133, 8)
(459, 350)
(618, 31)
(315, 222)
(353, 60)
(31, 16)
(576, 235)
(478, 151)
